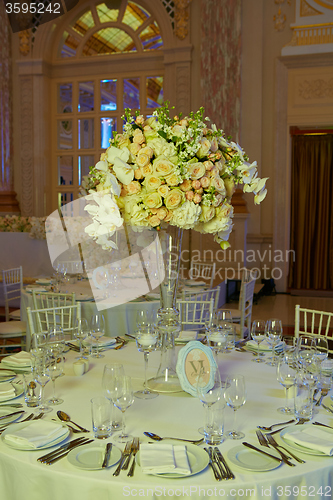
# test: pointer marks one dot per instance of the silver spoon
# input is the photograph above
(262, 428)
(155, 437)
(66, 418)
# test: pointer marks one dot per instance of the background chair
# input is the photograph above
(203, 270)
(45, 300)
(247, 276)
(315, 324)
(12, 280)
(204, 295)
(243, 329)
(195, 313)
(41, 320)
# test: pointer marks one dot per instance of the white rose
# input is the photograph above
(196, 170)
(204, 148)
(186, 216)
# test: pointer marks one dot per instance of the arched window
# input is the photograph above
(88, 109)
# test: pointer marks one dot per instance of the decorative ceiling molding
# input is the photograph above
(24, 37)
(316, 89)
(307, 10)
(181, 18)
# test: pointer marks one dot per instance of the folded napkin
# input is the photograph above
(36, 288)
(102, 341)
(36, 434)
(7, 391)
(21, 358)
(312, 437)
(164, 458)
(263, 346)
(187, 335)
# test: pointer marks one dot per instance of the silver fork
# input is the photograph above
(273, 443)
(301, 421)
(136, 446)
(124, 454)
(263, 441)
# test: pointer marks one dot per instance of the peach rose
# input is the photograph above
(147, 169)
(208, 165)
(139, 120)
(196, 184)
(154, 220)
(138, 136)
(134, 148)
(138, 174)
(133, 187)
(172, 179)
(147, 151)
(218, 200)
(205, 182)
(168, 216)
(189, 195)
(218, 184)
(163, 190)
(214, 145)
(186, 185)
(174, 199)
(142, 160)
(197, 198)
(199, 191)
(162, 213)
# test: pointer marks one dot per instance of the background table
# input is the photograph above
(22, 477)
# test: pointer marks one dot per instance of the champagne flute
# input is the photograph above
(146, 342)
(274, 333)
(81, 332)
(235, 397)
(110, 373)
(55, 370)
(42, 378)
(258, 334)
(123, 399)
(97, 331)
(286, 372)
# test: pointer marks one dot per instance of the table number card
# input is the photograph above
(195, 359)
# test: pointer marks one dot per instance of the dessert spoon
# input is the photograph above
(66, 418)
(155, 437)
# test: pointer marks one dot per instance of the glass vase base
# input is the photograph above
(55, 401)
(235, 435)
(145, 394)
(285, 410)
(165, 385)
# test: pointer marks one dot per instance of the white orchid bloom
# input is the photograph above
(102, 165)
(123, 171)
(238, 149)
(113, 153)
(95, 230)
(248, 172)
(106, 243)
(260, 196)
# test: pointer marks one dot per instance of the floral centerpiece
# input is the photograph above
(176, 170)
(35, 226)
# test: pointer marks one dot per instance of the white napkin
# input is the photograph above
(7, 391)
(102, 341)
(164, 458)
(35, 288)
(314, 438)
(36, 434)
(21, 358)
(187, 335)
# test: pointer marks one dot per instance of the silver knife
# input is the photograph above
(11, 414)
(58, 457)
(107, 455)
(62, 448)
(218, 477)
(226, 466)
(261, 451)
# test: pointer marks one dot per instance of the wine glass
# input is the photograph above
(143, 320)
(123, 399)
(42, 378)
(56, 339)
(321, 345)
(306, 350)
(217, 331)
(81, 332)
(146, 342)
(274, 333)
(97, 331)
(225, 322)
(258, 334)
(110, 373)
(209, 387)
(286, 372)
(235, 397)
(55, 369)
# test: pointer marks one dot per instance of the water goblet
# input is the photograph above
(235, 397)
(286, 372)
(321, 345)
(209, 388)
(306, 350)
(225, 323)
(55, 370)
(42, 378)
(97, 331)
(274, 333)
(111, 372)
(56, 339)
(143, 320)
(146, 342)
(81, 332)
(258, 334)
(123, 399)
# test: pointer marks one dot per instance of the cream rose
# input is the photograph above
(154, 220)
(133, 187)
(207, 213)
(163, 190)
(173, 179)
(138, 174)
(186, 216)
(146, 151)
(196, 170)
(138, 137)
(218, 184)
(162, 213)
(142, 160)
(162, 166)
(204, 148)
(134, 148)
(152, 183)
(174, 199)
(147, 169)
(168, 216)
(153, 200)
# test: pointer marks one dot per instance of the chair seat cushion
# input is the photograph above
(15, 314)
(239, 334)
(12, 327)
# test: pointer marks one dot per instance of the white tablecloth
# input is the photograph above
(22, 477)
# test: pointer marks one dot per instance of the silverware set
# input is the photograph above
(131, 449)
(62, 451)
(32, 416)
(218, 464)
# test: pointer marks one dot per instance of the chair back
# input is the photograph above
(204, 295)
(41, 320)
(46, 300)
(245, 305)
(203, 270)
(314, 323)
(195, 312)
(12, 280)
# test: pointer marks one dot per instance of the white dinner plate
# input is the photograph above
(15, 367)
(82, 297)
(6, 375)
(44, 281)
(91, 456)
(102, 342)
(18, 392)
(186, 336)
(7, 411)
(297, 447)
(197, 457)
(22, 425)
(252, 460)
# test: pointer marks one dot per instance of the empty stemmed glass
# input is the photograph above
(274, 333)
(209, 388)
(235, 397)
(81, 332)
(217, 334)
(97, 331)
(56, 339)
(143, 320)
(146, 341)
(258, 334)
(306, 350)
(225, 323)
(123, 399)
(321, 345)
(286, 372)
(42, 378)
(55, 370)
(111, 372)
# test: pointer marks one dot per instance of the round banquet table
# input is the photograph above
(119, 320)
(178, 415)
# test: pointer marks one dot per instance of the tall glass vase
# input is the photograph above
(168, 320)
